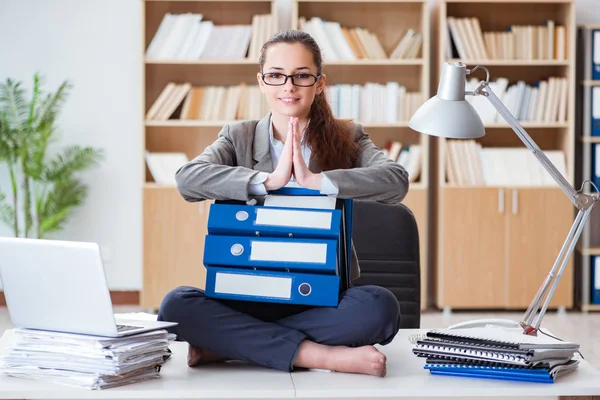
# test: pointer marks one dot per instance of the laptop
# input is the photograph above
(61, 286)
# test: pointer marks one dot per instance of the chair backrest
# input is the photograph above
(386, 240)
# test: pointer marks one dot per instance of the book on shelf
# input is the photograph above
(590, 53)
(467, 163)
(188, 36)
(544, 101)
(348, 44)
(368, 103)
(519, 42)
(497, 353)
(374, 102)
(163, 166)
(407, 156)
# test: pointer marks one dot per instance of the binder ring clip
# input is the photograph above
(237, 249)
(241, 215)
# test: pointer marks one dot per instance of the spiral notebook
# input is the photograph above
(508, 338)
(544, 375)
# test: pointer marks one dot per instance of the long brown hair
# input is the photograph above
(329, 138)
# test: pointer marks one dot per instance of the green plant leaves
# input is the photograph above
(47, 189)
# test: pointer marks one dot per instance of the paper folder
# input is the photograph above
(244, 220)
(272, 286)
(272, 253)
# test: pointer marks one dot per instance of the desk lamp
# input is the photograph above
(449, 115)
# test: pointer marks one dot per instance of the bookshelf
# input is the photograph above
(174, 230)
(500, 224)
(389, 21)
(588, 162)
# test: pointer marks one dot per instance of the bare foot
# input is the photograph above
(197, 356)
(359, 360)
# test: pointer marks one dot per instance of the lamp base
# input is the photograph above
(476, 323)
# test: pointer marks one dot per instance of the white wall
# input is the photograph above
(96, 45)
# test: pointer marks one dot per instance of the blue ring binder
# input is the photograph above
(311, 258)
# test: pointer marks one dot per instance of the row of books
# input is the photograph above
(544, 101)
(208, 103)
(520, 42)
(497, 353)
(369, 103)
(469, 164)
(410, 157)
(343, 43)
(189, 37)
(164, 165)
(374, 102)
(85, 361)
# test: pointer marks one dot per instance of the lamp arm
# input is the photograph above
(583, 202)
(566, 187)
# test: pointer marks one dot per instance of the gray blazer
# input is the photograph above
(242, 150)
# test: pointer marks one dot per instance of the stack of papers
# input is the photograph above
(497, 353)
(91, 362)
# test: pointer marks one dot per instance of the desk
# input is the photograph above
(405, 378)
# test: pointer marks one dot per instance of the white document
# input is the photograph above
(321, 202)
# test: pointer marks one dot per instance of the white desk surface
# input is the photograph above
(405, 378)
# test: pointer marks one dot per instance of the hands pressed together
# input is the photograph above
(291, 163)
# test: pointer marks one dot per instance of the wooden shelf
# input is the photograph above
(512, 1)
(361, 1)
(590, 307)
(531, 125)
(590, 139)
(214, 124)
(248, 61)
(205, 1)
(590, 83)
(592, 251)
(156, 186)
(512, 63)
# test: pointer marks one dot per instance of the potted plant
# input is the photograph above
(43, 190)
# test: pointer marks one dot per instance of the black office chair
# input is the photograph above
(386, 239)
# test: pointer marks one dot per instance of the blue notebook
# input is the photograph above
(529, 374)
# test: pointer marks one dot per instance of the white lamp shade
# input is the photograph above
(447, 118)
(448, 114)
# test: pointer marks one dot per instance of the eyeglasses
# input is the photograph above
(277, 79)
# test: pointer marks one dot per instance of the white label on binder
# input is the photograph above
(596, 54)
(289, 252)
(253, 285)
(295, 218)
(322, 202)
(596, 102)
(597, 148)
(597, 273)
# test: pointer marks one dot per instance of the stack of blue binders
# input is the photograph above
(279, 254)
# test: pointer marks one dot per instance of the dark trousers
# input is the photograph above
(269, 334)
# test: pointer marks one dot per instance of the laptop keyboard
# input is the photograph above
(124, 328)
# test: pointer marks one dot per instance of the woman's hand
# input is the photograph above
(282, 174)
(302, 174)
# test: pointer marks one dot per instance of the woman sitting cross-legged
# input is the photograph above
(299, 139)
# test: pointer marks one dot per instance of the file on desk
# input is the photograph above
(272, 286)
(319, 255)
(244, 220)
